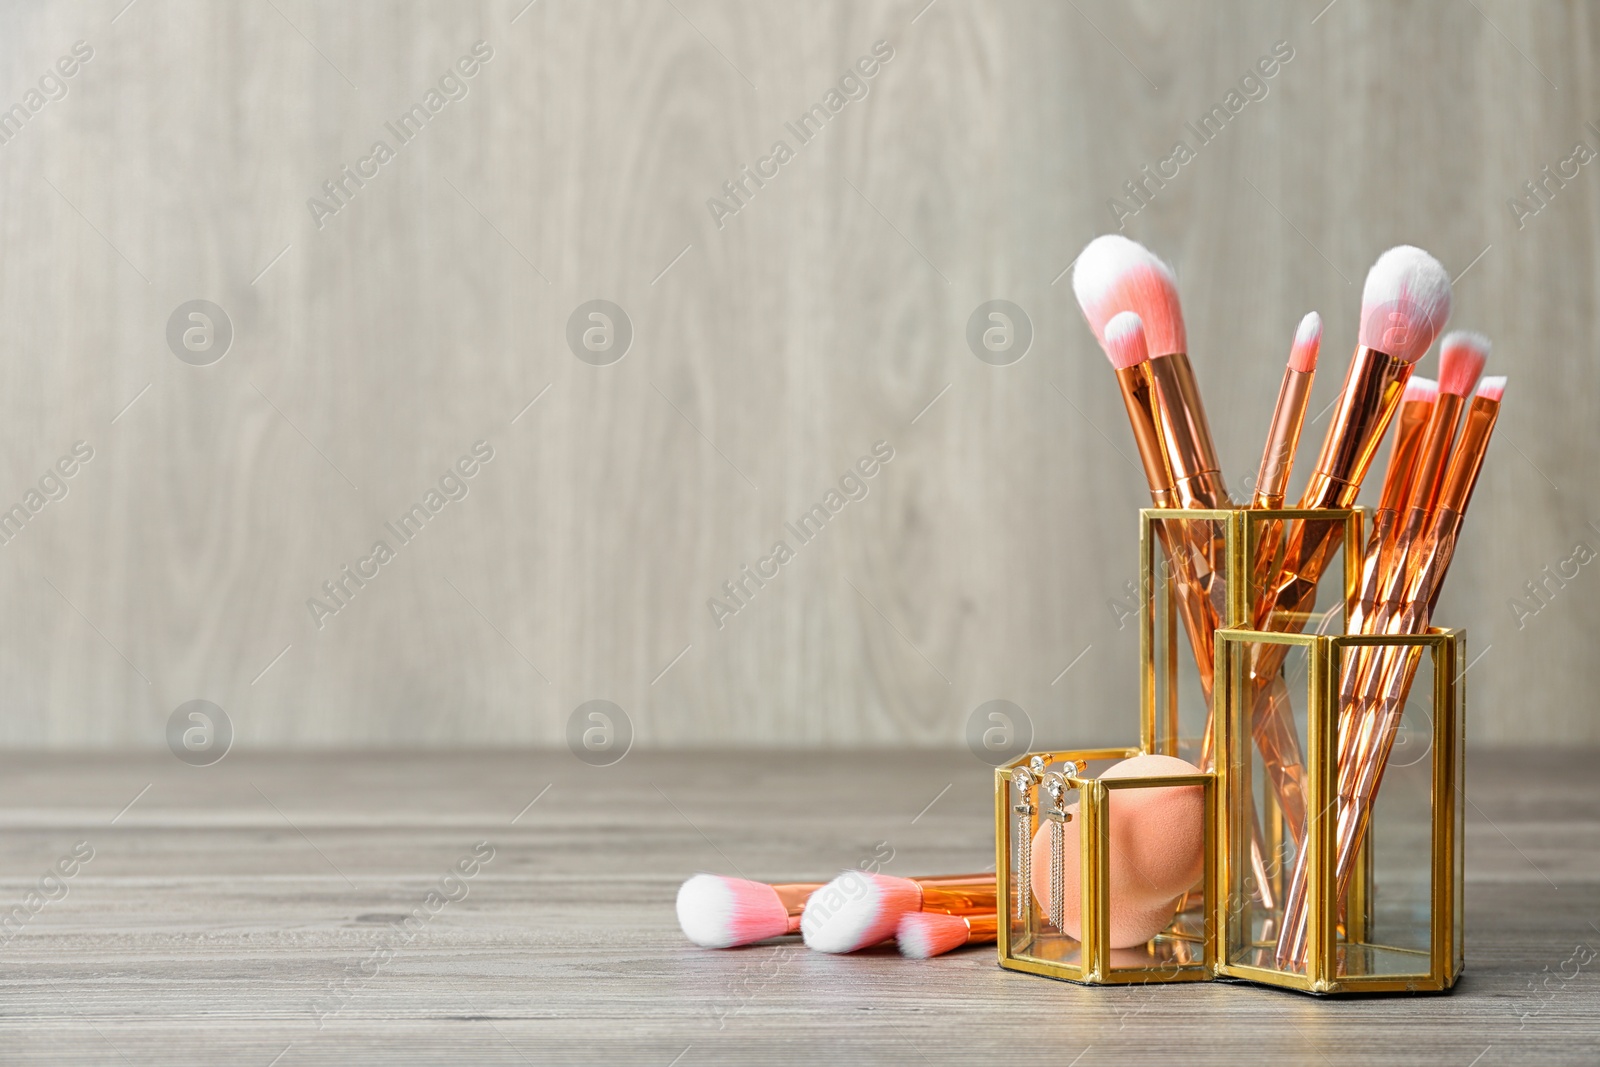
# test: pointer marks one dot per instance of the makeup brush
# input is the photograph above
(924, 934)
(1461, 360)
(719, 912)
(1404, 304)
(1114, 274)
(858, 909)
(1426, 568)
(1123, 339)
(1360, 778)
(1284, 436)
(1462, 354)
(1415, 408)
(1277, 460)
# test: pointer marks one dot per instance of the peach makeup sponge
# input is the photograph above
(1157, 853)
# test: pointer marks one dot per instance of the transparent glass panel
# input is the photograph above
(1265, 842)
(1297, 577)
(1186, 595)
(1159, 838)
(1384, 844)
(1044, 868)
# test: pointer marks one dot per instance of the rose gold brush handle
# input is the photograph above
(793, 896)
(982, 929)
(959, 894)
(1277, 461)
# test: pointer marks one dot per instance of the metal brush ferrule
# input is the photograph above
(1283, 437)
(1372, 391)
(1138, 396)
(1181, 417)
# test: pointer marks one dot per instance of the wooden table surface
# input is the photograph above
(255, 912)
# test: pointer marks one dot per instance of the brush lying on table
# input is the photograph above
(856, 910)
(924, 934)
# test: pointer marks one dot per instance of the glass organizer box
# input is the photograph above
(1309, 881)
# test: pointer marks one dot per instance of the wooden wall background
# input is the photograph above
(768, 354)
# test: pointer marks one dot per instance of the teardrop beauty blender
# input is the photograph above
(1162, 831)
(1157, 853)
(1134, 919)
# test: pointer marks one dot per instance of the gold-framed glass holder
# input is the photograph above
(1395, 851)
(1054, 831)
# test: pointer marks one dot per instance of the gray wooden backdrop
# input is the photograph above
(771, 349)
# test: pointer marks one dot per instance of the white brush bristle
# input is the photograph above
(1405, 303)
(1114, 274)
(1124, 341)
(857, 910)
(1462, 355)
(718, 912)
(1307, 344)
(924, 934)
(1493, 387)
(1424, 390)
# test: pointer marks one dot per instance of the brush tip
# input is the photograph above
(1462, 355)
(1404, 303)
(1307, 344)
(857, 910)
(719, 912)
(1113, 274)
(1419, 389)
(1493, 387)
(1125, 342)
(924, 934)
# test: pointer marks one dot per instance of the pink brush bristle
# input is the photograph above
(857, 910)
(923, 934)
(1493, 387)
(1405, 303)
(1425, 390)
(1462, 355)
(1114, 274)
(1307, 344)
(1124, 341)
(718, 912)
